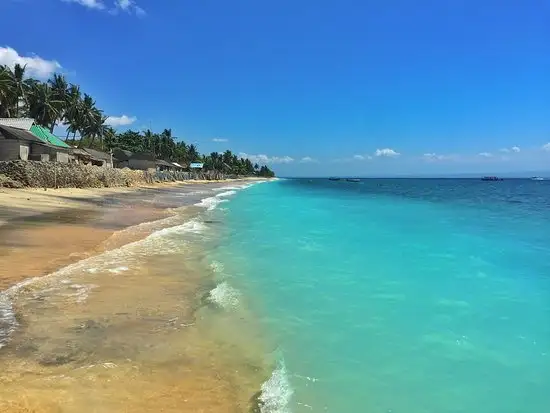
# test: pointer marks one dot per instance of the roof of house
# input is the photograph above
(98, 154)
(177, 165)
(143, 156)
(121, 154)
(15, 133)
(19, 123)
(163, 163)
(80, 152)
(48, 137)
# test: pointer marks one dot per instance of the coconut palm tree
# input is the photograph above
(42, 104)
(6, 91)
(60, 89)
(71, 114)
(19, 87)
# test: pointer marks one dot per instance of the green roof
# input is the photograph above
(46, 136)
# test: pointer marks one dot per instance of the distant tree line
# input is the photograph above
(56, 102)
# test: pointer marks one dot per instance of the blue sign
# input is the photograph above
(196, 165)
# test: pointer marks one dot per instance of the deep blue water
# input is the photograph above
(401, 295)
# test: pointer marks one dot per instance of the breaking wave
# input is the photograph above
(210, 203)
(8, 323)
(224, 296)
(226, 193)
(276, 392)
(158, 243)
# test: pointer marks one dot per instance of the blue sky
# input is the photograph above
(313, 87)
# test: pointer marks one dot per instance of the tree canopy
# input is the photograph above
(57, 102)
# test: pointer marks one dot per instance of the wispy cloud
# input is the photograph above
(126, 6)
(546, 147)
(438, 157)
(386, 152)
(515, 149)
(220, 140)
(35, 66)
(116, 121)
(91, 4)
(308, 159)
(359, 157)
(485, 154)
(130, 7)
(265, 159)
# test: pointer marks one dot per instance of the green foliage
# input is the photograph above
(57, 101)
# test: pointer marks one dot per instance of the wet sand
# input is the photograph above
(128, 326)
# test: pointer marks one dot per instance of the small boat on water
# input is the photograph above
(491, 178)
(334, 179)
(537, 178)
(353, 180)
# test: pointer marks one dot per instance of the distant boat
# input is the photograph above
(353, 180)
(537, 178)
(334, 179)
(491, 178)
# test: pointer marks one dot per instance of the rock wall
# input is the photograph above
(70, 175)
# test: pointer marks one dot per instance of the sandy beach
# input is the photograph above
(115, 318)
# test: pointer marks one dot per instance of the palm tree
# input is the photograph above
(60, 91)
(6, 91)
(18, 87)
(109, 138)
(43, 106)
(192, 153)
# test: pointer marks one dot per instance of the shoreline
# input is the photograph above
(116, 237)
(44, 230)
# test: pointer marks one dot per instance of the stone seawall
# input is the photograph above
(36, 174)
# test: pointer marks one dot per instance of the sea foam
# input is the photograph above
(276, 392)
(159, 242)
(8, 323)
(224, 296)
(210, 203)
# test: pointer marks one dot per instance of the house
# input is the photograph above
(99, 158)
(16, 144)
(138, 160)
(58, 150)
(121, 158)
(22, 139)
(162, 165)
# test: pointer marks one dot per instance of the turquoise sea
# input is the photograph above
(403, 295)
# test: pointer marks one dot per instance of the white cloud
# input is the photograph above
(387, 152)
(437, 157)
(485, 155)
(117, 121)
(130, 7)
(35, 66)
(546, 147)
(433, 157)
(515, 149)
(91, 4)
(220, 140)
(308, 159)
(264, 159)
(359, 157)
(127, 6)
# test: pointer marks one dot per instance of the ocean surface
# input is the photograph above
(403, 295)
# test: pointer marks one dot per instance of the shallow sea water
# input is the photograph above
(383, 296)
